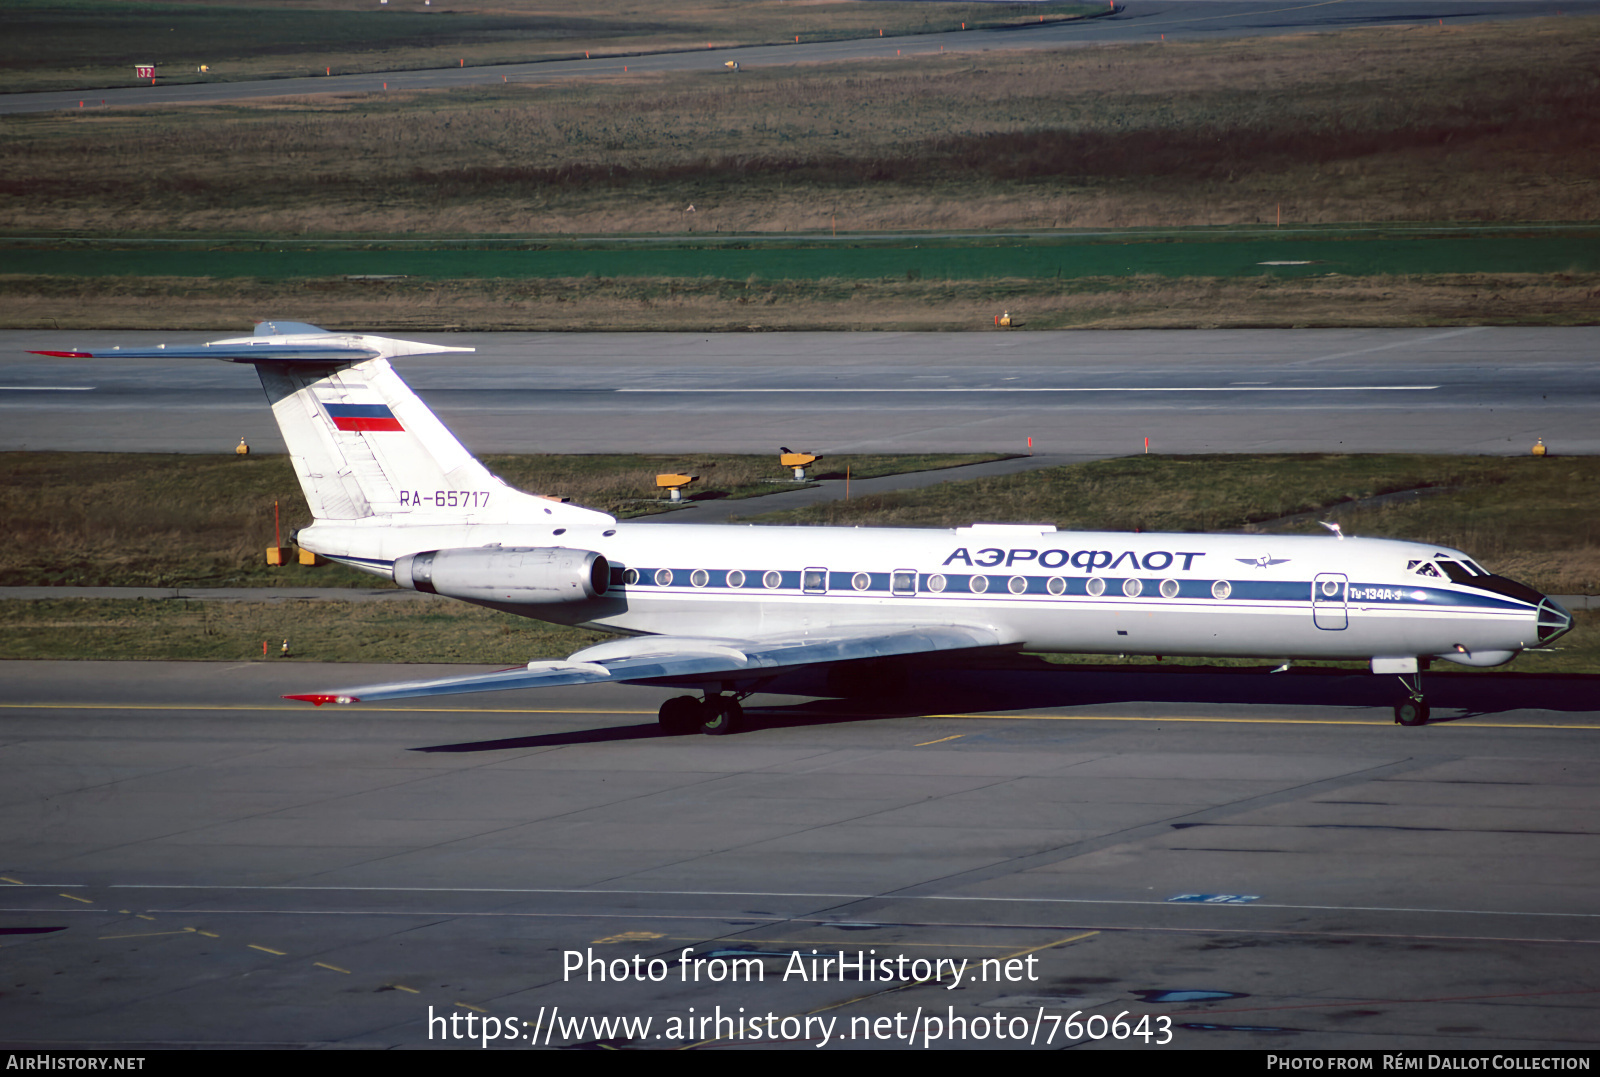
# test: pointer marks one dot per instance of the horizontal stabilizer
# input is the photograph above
(657, 659)
(306, 344)
(237, 352)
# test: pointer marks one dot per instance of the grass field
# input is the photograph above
(612, 304)
(61, 44)
(1534, 519)
(1573, 249)
(167, 520)
(1476, 125)
(1485, 123)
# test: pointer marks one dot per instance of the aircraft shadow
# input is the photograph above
(550, 740)
(1030, 684)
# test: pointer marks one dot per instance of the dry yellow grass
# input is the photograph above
(1482, 123)
(713, 306)
(1530, 518)
(173, 519)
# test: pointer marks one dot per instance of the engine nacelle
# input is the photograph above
(522, 575)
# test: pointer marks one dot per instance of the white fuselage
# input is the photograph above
(1084, 592)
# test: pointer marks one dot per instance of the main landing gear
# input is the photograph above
(1412, 710)
(716, 715)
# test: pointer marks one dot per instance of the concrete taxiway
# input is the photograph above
(1455, 390)
(1249, 860)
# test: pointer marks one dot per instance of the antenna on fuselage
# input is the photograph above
(1332, 527)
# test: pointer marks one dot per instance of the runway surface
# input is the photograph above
(1458, 390)
(1138, 22)
(1249, 860)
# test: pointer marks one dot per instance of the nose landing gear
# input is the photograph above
(716, 715)
(1413, 710)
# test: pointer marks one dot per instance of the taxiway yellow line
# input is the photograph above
(1049, 945)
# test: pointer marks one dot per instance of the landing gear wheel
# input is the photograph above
(1411, 712)
(681, 714)
(721, 716)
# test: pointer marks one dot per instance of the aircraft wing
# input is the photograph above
(658, 659)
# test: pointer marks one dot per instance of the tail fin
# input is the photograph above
(362, 443)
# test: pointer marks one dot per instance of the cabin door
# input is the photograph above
(1330, 601)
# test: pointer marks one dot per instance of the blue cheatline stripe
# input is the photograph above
(1294, 592)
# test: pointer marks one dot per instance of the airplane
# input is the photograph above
(724, 610)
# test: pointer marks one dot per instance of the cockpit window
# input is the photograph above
(1465, 562)
(1427, 568)
(1458, 573)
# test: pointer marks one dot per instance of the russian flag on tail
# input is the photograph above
(363, 417)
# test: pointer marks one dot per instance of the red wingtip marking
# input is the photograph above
(67, 355)
(319, 698)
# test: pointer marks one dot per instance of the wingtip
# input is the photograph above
(317, 699)
(66, 355)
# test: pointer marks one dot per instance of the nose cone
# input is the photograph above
(1554, 621)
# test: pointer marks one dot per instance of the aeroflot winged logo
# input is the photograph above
(367, 417)
(1266, 560)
